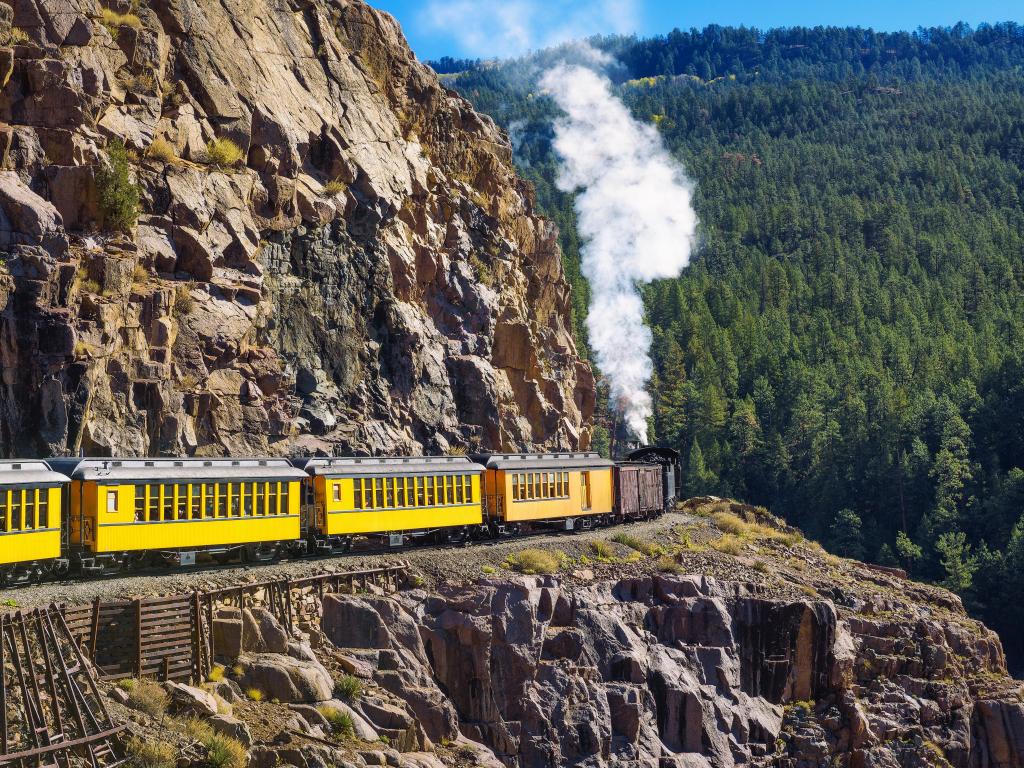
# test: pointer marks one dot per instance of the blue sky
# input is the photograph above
(488, 28)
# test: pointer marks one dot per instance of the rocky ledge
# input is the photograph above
(331, 251)
(718, 639)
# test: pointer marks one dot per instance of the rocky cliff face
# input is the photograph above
(369, 275)
(688, 671)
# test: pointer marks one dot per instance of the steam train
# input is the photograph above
(104, 515)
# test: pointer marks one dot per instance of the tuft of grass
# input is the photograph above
(149, 697)
(534, 561)
(196, 729)
(15, 36)
(488, 569)
(668, 564)
(225, 752)
(334, 187)
(161, 149)
(223, 153)
(184, 303)
(602, 549)
(340, 722)
(648, 548)
(254, 694)
(728, 544)
(483, 272)
(727, 522)
(348, 688)
(146, 753)
(118, 194)
(238, 670)
(113, 20)
(216, 674)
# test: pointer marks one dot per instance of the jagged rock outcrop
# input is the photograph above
(690, 671)
(370, 276)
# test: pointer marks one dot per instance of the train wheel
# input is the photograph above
(457, 536)
(343, 546)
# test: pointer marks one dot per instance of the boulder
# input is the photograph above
(233, 727)
(188, 700)
(27, 218)
(287, 679)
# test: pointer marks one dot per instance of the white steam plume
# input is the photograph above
(636, 219)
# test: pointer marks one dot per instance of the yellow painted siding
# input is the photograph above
(126, 518)
(396, 503)
(538, 503)
(29, 524)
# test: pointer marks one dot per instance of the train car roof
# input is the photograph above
(653, 450)
(354, 466)
(183, 469)
(29, 472)
(546, 461)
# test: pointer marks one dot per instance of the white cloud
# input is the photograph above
(504, 28)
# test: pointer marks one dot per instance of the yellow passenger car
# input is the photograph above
(396, 498)
(565, 490)
(30, 520)
(124, 511)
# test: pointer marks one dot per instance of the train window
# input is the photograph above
(272, 497)
(357, 493)
(565, 484)
(467, 488)
(401, 491)
(378, 493)
(285, 490)
(111, 501)
(428, 491)
(140, 502)
(585, 488)
(389, 492)
(221, 499)
(551, 485)
(15, 510)
(336, 491)
(181, 501)
(4, 496)
(195, 501)
(210, 501)
(459, 490)
(43, 508)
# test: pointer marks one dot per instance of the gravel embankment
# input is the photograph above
(436, 565)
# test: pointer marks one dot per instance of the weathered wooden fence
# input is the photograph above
(171, 637)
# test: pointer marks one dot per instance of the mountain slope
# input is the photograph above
(847, 346)
(319, 250)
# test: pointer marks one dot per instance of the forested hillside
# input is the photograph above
(847, 346)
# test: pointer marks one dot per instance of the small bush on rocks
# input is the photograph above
(223, 152)
(648, 548)
(340, 722)
(113, 20)
(225, 752)
(348, 687)
(162, 150)
(254, 694)
(668, 564)
(144, 753)
(334, 187)
(118, 194)
(534, 561)
(728, 544)
(602, 549)
(149, 697)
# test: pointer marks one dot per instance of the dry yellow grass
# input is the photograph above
(162, 150)
(729, 544)
(534, 561)
(223, 152)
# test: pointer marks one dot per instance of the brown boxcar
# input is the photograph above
(638, 491)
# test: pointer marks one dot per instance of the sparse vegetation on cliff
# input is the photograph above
(223, 152)
(118, 193)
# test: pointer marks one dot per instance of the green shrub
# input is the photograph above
(149, 697)
(118, 194)
(348, 687)
(146, 753)
(223, 153)
(534, 561)
(727, 522)
(340, 722)
(184, 303)
(488, 569)
(483, 272)
(602, 549)
(254, 694)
